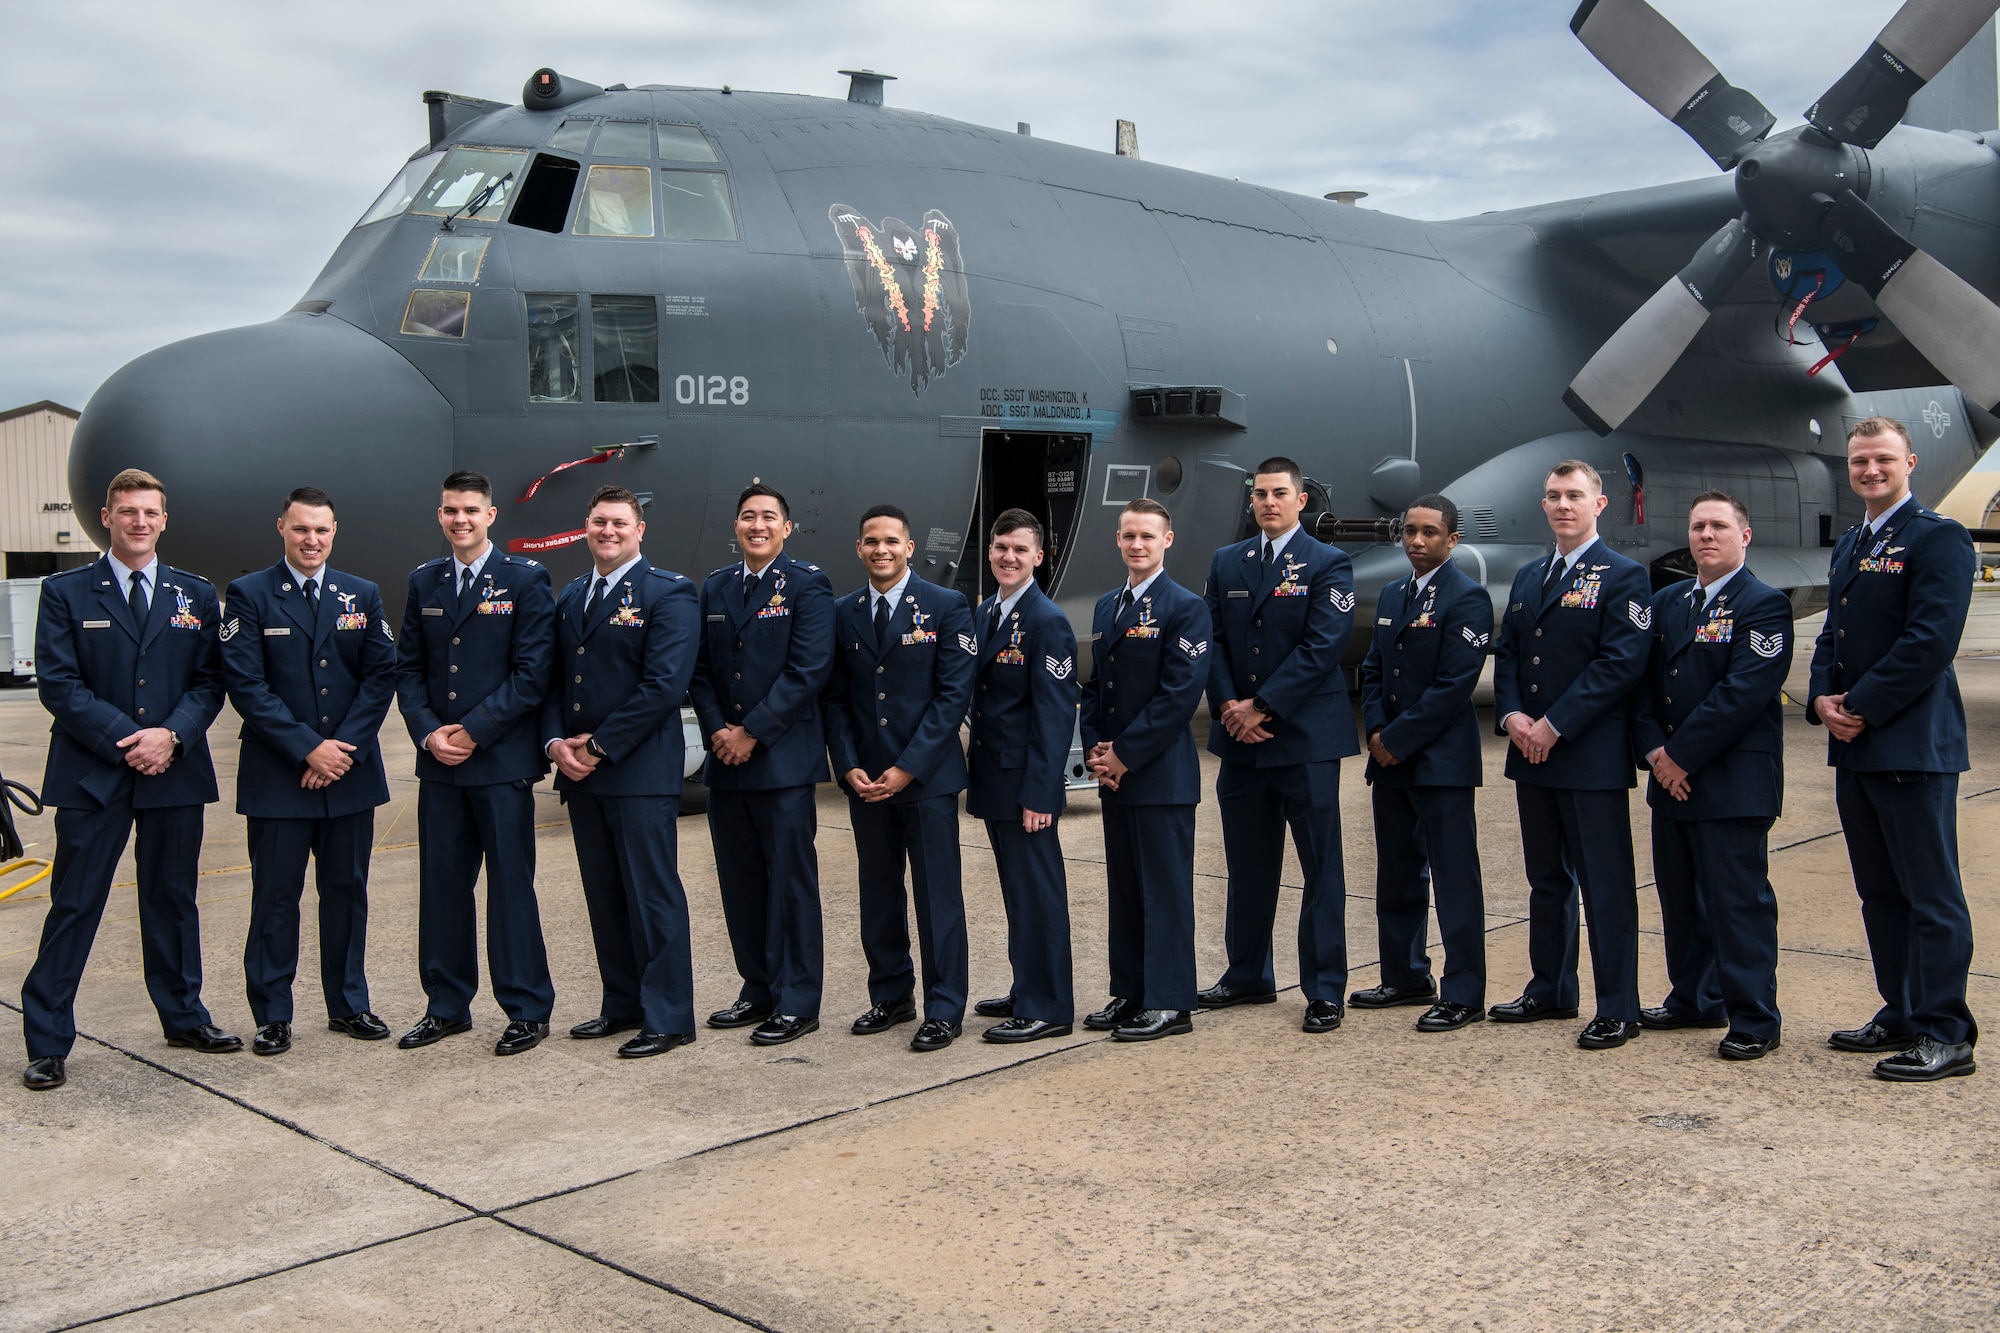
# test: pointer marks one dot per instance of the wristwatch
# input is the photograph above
(177, 740)
(596, 749)
(1262, 707)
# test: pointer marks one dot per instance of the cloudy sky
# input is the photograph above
(175, 168)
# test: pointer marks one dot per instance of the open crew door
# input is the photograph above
(1040, 472)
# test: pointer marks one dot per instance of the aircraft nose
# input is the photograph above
(230, 422)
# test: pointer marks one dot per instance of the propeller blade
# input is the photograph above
(1651, 57)
(1865, 103)
(1638, 356)
(1944, 316)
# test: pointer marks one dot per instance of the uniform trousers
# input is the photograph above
(1902, 840)
(1720, 918)
(1572, 837)
(339, 848)
(88, 845)
(925, 833)
(1035, 890)
(1426, 840)
(1149, 881)
(459, 828)
(768, 871)
(628, 855)
(1256, 805)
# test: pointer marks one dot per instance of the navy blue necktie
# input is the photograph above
(137, 601)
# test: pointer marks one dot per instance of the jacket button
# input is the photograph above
(1670, 726)
(454, 643)
(1392, 698)
(737, 707)
(1399, 647)
(1396, 671)
(1674, 671)
(1843, 601)
(739, 645)
(738, 675)
(322, 691)
(579, 652)
(1843, 634)
(142, 682)
(981, 744)
(977, 714)
(454, 668)
(1110, 684)
(1258, 624)
(1256, 651)
(1253, 680)
(982, 688)
(324, 718)
(142, 712)
(452, 694)
(322, 661)
(1538, 633)
(1670, 698)
(1535, 660)
(576, 708)
(880, 669)
(579, 680)
(1534, 689)
(142, 654)
(885, 721)
(881, 696)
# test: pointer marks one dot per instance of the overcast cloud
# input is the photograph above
(175, 168)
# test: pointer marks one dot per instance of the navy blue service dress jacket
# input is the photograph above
(1148, 669)
(298, 679)
(1281, 637)
(620, 675)
(1896, 607)
(1576, 659)
(1416, 682)
(1711, 698)
(102, 677)
(899, 704)
(1023, 710)
(762, 667)
(482, 663)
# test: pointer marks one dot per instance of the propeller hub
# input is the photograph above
(1787, 183)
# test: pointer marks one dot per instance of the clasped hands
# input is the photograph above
(1103, 761)
(149, 750)
(1669, 774)
(1534, 739)
(1244, 722)
(893, 780)
(573, 757)
(451, 744)
(1841, 724)
(329, 762)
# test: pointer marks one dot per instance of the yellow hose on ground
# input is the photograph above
(24, 863)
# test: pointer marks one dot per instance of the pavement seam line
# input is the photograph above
(748, 1321)
(258, 1277)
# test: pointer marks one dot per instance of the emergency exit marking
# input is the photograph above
(712, 390)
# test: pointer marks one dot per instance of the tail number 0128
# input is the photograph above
(712, 390)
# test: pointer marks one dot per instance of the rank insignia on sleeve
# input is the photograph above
(1767, 645)
(1640, 616)
(1194, 650)
(1342, 601)
(229, 630)
(970, 644)
(1060, 669)
(1476, 640)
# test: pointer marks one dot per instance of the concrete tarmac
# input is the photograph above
(1246, 1177)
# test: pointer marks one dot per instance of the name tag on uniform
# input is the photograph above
(274, 633)
(1239, 592)
(433, 610)
(714, 618)
(97, 624)
(1384, 620)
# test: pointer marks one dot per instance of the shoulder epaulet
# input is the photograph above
(805, 564)
(430, 564)
(67, 573)
(666, 574)
(719, 569)
(188, 574)
(521, 560)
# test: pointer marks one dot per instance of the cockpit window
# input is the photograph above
(401, 190)
(463, 175)
(694, 206)
(572, 137)
(624, 349)
(436, 314)
(454, 259)
(684, 143)
(624, 138)
(617, 201)
(555, 366)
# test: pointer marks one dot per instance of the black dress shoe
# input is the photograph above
(1113, 1015)
(1603, 1034)
(431, 1028)
(207, 1038)
(1525, 1010)
(1869, 1038)
(1928, 1061)
(882, 1017)
(272, 1039)
(1322, 1016)
(1444, 1016)
(1736, 1046)
(1664, 1019)
(1016, 1030)
(1220, 996)
(1387, 997)
(521, 1035)
(592, 1028)
(935, 1035)
(781, 1028)
(742, 1014)
(653, 1043)
(45, 1074)
(1003, 1007)
(363, 1026)
(1152, 1024)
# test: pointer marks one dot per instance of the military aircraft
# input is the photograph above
(688, 288)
